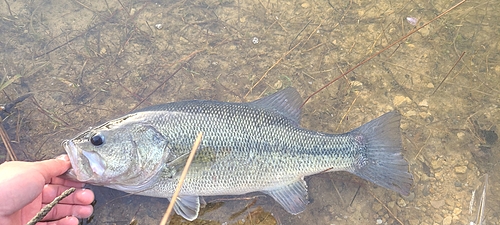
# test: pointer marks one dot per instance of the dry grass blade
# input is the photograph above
(181, 180)
(9, 81)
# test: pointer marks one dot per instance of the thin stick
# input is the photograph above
(279, 60)
(181, 179)
(6, 142)
(420, 150)
(270, 68)
(45, 210)
(158, 87)
(8, 7)
(338, 193)
(458, 60)
(383, 50)
(347, 112)
(387, 208)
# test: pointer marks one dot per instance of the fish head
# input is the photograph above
(126, 154)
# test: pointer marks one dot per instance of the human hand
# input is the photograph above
(25, 187)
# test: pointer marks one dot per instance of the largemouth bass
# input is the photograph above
(246, 147)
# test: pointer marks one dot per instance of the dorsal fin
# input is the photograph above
(287, 102)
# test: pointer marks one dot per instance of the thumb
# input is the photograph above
(53, 167)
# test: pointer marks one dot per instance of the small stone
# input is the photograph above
(437, 218)
(424, 115)
(461, 135)
(305, 5)
(414, 222)
(447, 220)
(430, 85)
(400, 99)
(436, 164)
(391, 204)
(410, 197)
(376, 207)
(497, 69)
(425, 31)
(423, 103)
(460, 169)
(356, 83)
(450, 202)
(379, 221)
(410, 113)
(437, 204)
(401, 202)
(278, 84)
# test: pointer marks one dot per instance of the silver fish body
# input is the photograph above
(246, 147)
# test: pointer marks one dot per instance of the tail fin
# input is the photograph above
(381, 161)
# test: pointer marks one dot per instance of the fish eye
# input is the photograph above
(97, 140)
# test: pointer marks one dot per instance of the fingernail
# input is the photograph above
(63, 157)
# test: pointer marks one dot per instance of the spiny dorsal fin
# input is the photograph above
(287, 102)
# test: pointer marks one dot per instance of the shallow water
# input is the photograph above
(87, 62)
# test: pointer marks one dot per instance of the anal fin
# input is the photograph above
(292, 197)
(187, 207)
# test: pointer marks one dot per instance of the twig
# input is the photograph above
(420, 150)
(6, 142)
(83, 33)
(355, 195)
(84, 6)
(338, 193)
(45, 210)
(387, 208)
(8, 7)
(186, 60)
(52, 116)
(126, 10)
(277, 62)
(181, 179)
(458, 60)
(297, 36)
(347, 112)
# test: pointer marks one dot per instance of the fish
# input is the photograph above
(256, 146)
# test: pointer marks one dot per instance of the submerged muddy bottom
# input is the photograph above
(88, 62)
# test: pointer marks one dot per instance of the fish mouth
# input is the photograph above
(72, 152)
(81, 162)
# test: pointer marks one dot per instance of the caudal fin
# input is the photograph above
(381, 161)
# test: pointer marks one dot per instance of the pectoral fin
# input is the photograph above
(293, 197)
(187, 207)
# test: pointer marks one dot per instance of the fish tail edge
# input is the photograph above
(381, 160)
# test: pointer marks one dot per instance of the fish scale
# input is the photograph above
(246, 147)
